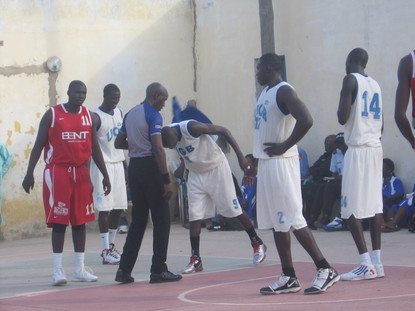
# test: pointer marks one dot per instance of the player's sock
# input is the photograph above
(194, 243)
(289, 272)
(79, 261)
(365, 259)
(322, 264)
(105, 240)
(253, 236)
(375, 257)
(57, 260)
(111, 235)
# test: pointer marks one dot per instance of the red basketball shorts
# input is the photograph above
(67, 195)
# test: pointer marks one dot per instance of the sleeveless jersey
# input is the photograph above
(413, 83)
(109, 129)
(271, 124)
(201, 154)
(70, 137)
(364, 126)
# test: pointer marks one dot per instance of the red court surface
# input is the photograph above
(229, 290)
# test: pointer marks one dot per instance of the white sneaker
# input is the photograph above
(109, 258)
(362, 272)
(379, 270)
(123, 229)
(59, 277)
(84, 276)
(114, 252)
(284, 284)
(323, 280)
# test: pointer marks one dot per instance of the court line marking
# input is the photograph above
(182, 297)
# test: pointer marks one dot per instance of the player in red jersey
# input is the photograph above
(67, 134)
(406, 86)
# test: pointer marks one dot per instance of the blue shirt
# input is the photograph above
(304, 170)
(337, 162)
(140, 123)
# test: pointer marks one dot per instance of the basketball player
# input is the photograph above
(360, 111)
(209, 183)
(281, 120)
(406, 86)
(68, 136)
(109, 207)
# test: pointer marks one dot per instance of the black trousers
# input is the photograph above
(146, 187)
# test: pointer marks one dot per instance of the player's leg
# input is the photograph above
(375, 224)
(195, 263)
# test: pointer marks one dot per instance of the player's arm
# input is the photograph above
(198, 128)
(97, 156)
(121, 141)
(160, 156)
(346, 98)
(402, 99)
(289, 99)
(41, 141)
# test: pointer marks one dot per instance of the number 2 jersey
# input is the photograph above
(364, 126)
(70, 137)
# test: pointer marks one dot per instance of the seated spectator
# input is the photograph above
(331, 189)
(392, 190)
(312, 186)
(404, 215)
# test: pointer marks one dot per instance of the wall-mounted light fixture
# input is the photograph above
(54, 64)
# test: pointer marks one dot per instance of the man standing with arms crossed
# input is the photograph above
(281, 120)
(109, 207)
(149, 183)
(360, 111)
(68, 136)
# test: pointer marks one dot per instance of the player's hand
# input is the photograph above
(244, 164)
(168, 191)
(106, 185)
(274, 149)
(28, 183)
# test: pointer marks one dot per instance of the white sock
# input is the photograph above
(57, 260)
(112, 234)
(375, 256)
(105, 240)
(79, 261)
(365, 259)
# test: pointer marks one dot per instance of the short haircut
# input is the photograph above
(272, 60)
(110, 88)
(359, 55)
(389, 163)
(75, 83)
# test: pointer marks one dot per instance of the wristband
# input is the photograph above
(166, 178)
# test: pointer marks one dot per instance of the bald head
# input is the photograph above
(75, 83)
(356, 61)
(156, 95)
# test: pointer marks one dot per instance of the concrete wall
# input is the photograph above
(316, 36)
(126, 42)
(202, 49)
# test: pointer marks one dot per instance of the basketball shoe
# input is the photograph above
(259, 252)
(362, 272)
(284, 284)
(59, 277)
(195, 265)
(109, 258)
(84, 276)
(323, 280)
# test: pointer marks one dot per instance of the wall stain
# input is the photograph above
(31, 131)
(9, 141)
(17, 127)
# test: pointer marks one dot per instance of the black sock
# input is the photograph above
(194, 243)
(289, 272)
(322, 264)
(253, 236)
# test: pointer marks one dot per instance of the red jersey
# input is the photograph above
(413, 83)
(70, 137)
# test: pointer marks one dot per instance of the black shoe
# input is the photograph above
(165, 276)
(123, 277)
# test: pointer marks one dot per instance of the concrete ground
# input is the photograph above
(25, 265)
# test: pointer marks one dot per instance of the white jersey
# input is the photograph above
(110, 126)
(364, 126)
(271, 124)
(201, 154)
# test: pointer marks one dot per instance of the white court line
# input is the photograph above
(182, 297)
